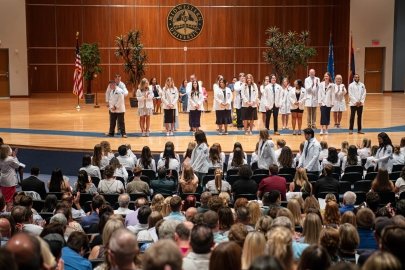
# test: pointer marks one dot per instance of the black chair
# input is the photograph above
(387, 197)
(337, 169)
(135, 196)
(258, 177)
(145, 179)
(211, 170)
(402, 196)
(38, 205)
(360, 197)
(397, 168)
(261, 171)
(284, 204)
(130, 173)
(288, 177)
(86, 206)
(336, 176)
(290, 171)
(352, 177)
(95, 180)
(312, 177)
(184, 196)
(363, 161)
(119, 178)
(362, 185)
(46, 216)
(206, 178)
(85, 197)
(254, 166)
(151, 174)
(370, 176)
(358, 169)
(57, 194)
(248, 196)
(371, 169)
(232, 172)
(111, 198)
(324, 193)
(314, 172)
(394, 175)
(232, 179)
(344, 186)
(173, 174)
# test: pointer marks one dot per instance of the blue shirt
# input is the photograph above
(346, 208)
(87, 221)
(298, 248)
(176, 216)
(367, 239)
(73, 260)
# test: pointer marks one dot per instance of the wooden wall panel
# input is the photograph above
(232, 40)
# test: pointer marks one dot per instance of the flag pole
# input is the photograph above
(96, 105)
(78, 98)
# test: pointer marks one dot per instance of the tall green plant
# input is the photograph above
(286, 51)
(130, 49)
(90, 57)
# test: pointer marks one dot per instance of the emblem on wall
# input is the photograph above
(185, 22)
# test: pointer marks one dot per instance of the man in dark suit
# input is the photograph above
(273, 182)
(33, 183)
(327, 183)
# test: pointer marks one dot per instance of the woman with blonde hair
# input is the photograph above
(218, 185)
(263, 225)
(170, 96)
(98, 252)
(343, 150)
(188, 180)
(166, 206)
(157, 202)
(254, 212)
(107, 154)
(225, 197)
(295, 207)
(250, 100)
(349, 242)
(339, 103)
(382, 260)
(312, 228)
(279, 245)
(364, 150)
(301, 182)
(253, 247)
(145, 96)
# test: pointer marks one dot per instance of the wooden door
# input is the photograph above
(4, 74)
(374, 69)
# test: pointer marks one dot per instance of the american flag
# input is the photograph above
(78, 74)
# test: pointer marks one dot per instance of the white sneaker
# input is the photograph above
(321, 133)
(326, 132)
(250, 132)
(147, 134)
(171, 133)
(167, 133)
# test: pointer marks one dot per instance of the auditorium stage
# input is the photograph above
(51, 121)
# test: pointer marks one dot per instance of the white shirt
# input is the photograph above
(8, 176)
(220, 98)
(398, 159)
(174, 164)
(253, 97)
(323, 154)
(364, 152)
(344, 163)
(339, 104)
(127, 161)
(152, 165)
(384, 158)
(200, 159)
(110, 186)
(145, 98)
(237, 88)
(326, 94)
(310, 156)
(301, 100)
(357, 93)
(311, 87)
(123, 211)
(285, 102)
(92, 171)
(194, 100)
(170, 96)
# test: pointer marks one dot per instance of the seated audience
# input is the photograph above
(201, 241)
(92, 171)
(301, 183)
(218, 185)
(25, 249)
(382, 182)
(400, 182)
(84, 183)
(273, 182)
(349, 199)
(146, 160)
(365, 220)
(73, 252)
(226, 256)
(126, 157)
(137, 185)
(33, 183)
(332, 158)
(162, 184)
(327, 183)
(119, 169)
(163, 255)
(175, 207)
(58, 183)
(87, 221)
(123, 202)
(143, 216)
(110, 185)
(351, 159)
(244, 185)
(349, 242)
(188, 180)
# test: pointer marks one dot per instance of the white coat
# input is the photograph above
(269, 98)
(285, 103)
(194, 100)
(339, 104)
(261, 106)
(311, 87)
(383, 158)
(357, 93)
(310, 156)
(266, 154)
(254, 95)
(219, 98)
(237, 88)
(145, 98)
(116, 102)
(326, 94)
(301, 101)
(170, 96)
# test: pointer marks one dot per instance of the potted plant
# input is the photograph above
(286, 51)
(90, 57)
(130, 49)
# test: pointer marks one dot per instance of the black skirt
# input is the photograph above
(195, 116)
(325, 115)
(297, 111)
(223, 117)
(170, 116)
(249, 113)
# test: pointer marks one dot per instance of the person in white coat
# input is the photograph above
(383, 157)
(195, 106)
(339, 104)
(311, 100)
(357, 97)
(265, 153)
(272, 102)
(222, 106)
(237, 102)
(200, 156)
(116, 105)
(262, 108)
(250, 100)
(170, 96)
(297, 99)
(326, 96)
(285, 103)
(310, 156)
(144, 94)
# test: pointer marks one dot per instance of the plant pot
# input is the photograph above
(133, 102)
(89, 98)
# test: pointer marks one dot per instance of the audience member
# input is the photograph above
(25, 249)
(201, 241)
(349, 199)
(365, 220)
(123, 202)
(175, 206)
(244, 185)
(110, 185)
(254, 246)
(162, 255)
(122, 250)
(131, 219)
(73, 252)
(162, 184)
(273, 182)
(327, 183)
(33, 183)
(226, 256)
(143, 216)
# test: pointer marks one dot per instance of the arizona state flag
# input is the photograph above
(352, 65)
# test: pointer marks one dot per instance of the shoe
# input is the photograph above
(276, 133)
(167, 133)
(326, 132)
(171, 133)
(321, 133)
(294, 133)
(225, 133)
(299, 132)
(250, 132)
(350, 132)
(360, 132)
(220, 133)
(246, 132)
(143, 134)
(124, 136)
(109, 134)
(147, 134)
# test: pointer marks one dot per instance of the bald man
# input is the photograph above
(25, 248)
(123, 247)
(5, 231)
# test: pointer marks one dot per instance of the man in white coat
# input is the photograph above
(116, 105)
(121, 86)
(357, 96)
(237, 102)
(309, 159)
(272, 100)
(311, 99)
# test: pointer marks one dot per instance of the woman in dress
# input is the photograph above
(223, 106)
(262, 106)
(8, 177)
(250, 100)
(297, 98)
(170, 96)
(285, 106)
(183, 97)
(156, 89)
(339, 105)
(145, 95)
(195, 106)
(326, 97)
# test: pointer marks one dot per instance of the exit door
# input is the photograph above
(374, 69)
(4, 74)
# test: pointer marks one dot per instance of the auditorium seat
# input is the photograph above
(258, 177)
(57, 194)
(249, 196)
(151, 174)
(324, 193)
(360, 197)
(85, 197)
(111, 198)
(135, 196)
(95, 180)
(370, 176)
(261, 171)
(397, 168)
(145, 179)
(207, 178)
(358, 169)
(362, 185)
(394, 175)
(352, 177)
(387, 197)
(38, 205)
(344, 186)
(232, 172)
(312, 177)
(337, 169)
(232, 179)
(288, 177)
(290, 171)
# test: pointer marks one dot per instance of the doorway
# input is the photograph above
(374, 69)
(4, 74)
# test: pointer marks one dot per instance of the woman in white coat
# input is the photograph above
(223, 107)
(326, 96)
(195, 106)
(339, 104)
(265, 153)
(285, 104)
(145, 96)
(383, 157)
(297, 99)
(170, 96)
(250, 100)
(262, 106)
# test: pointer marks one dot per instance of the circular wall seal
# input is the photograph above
(185, 22)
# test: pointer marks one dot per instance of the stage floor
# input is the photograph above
(51, 121)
